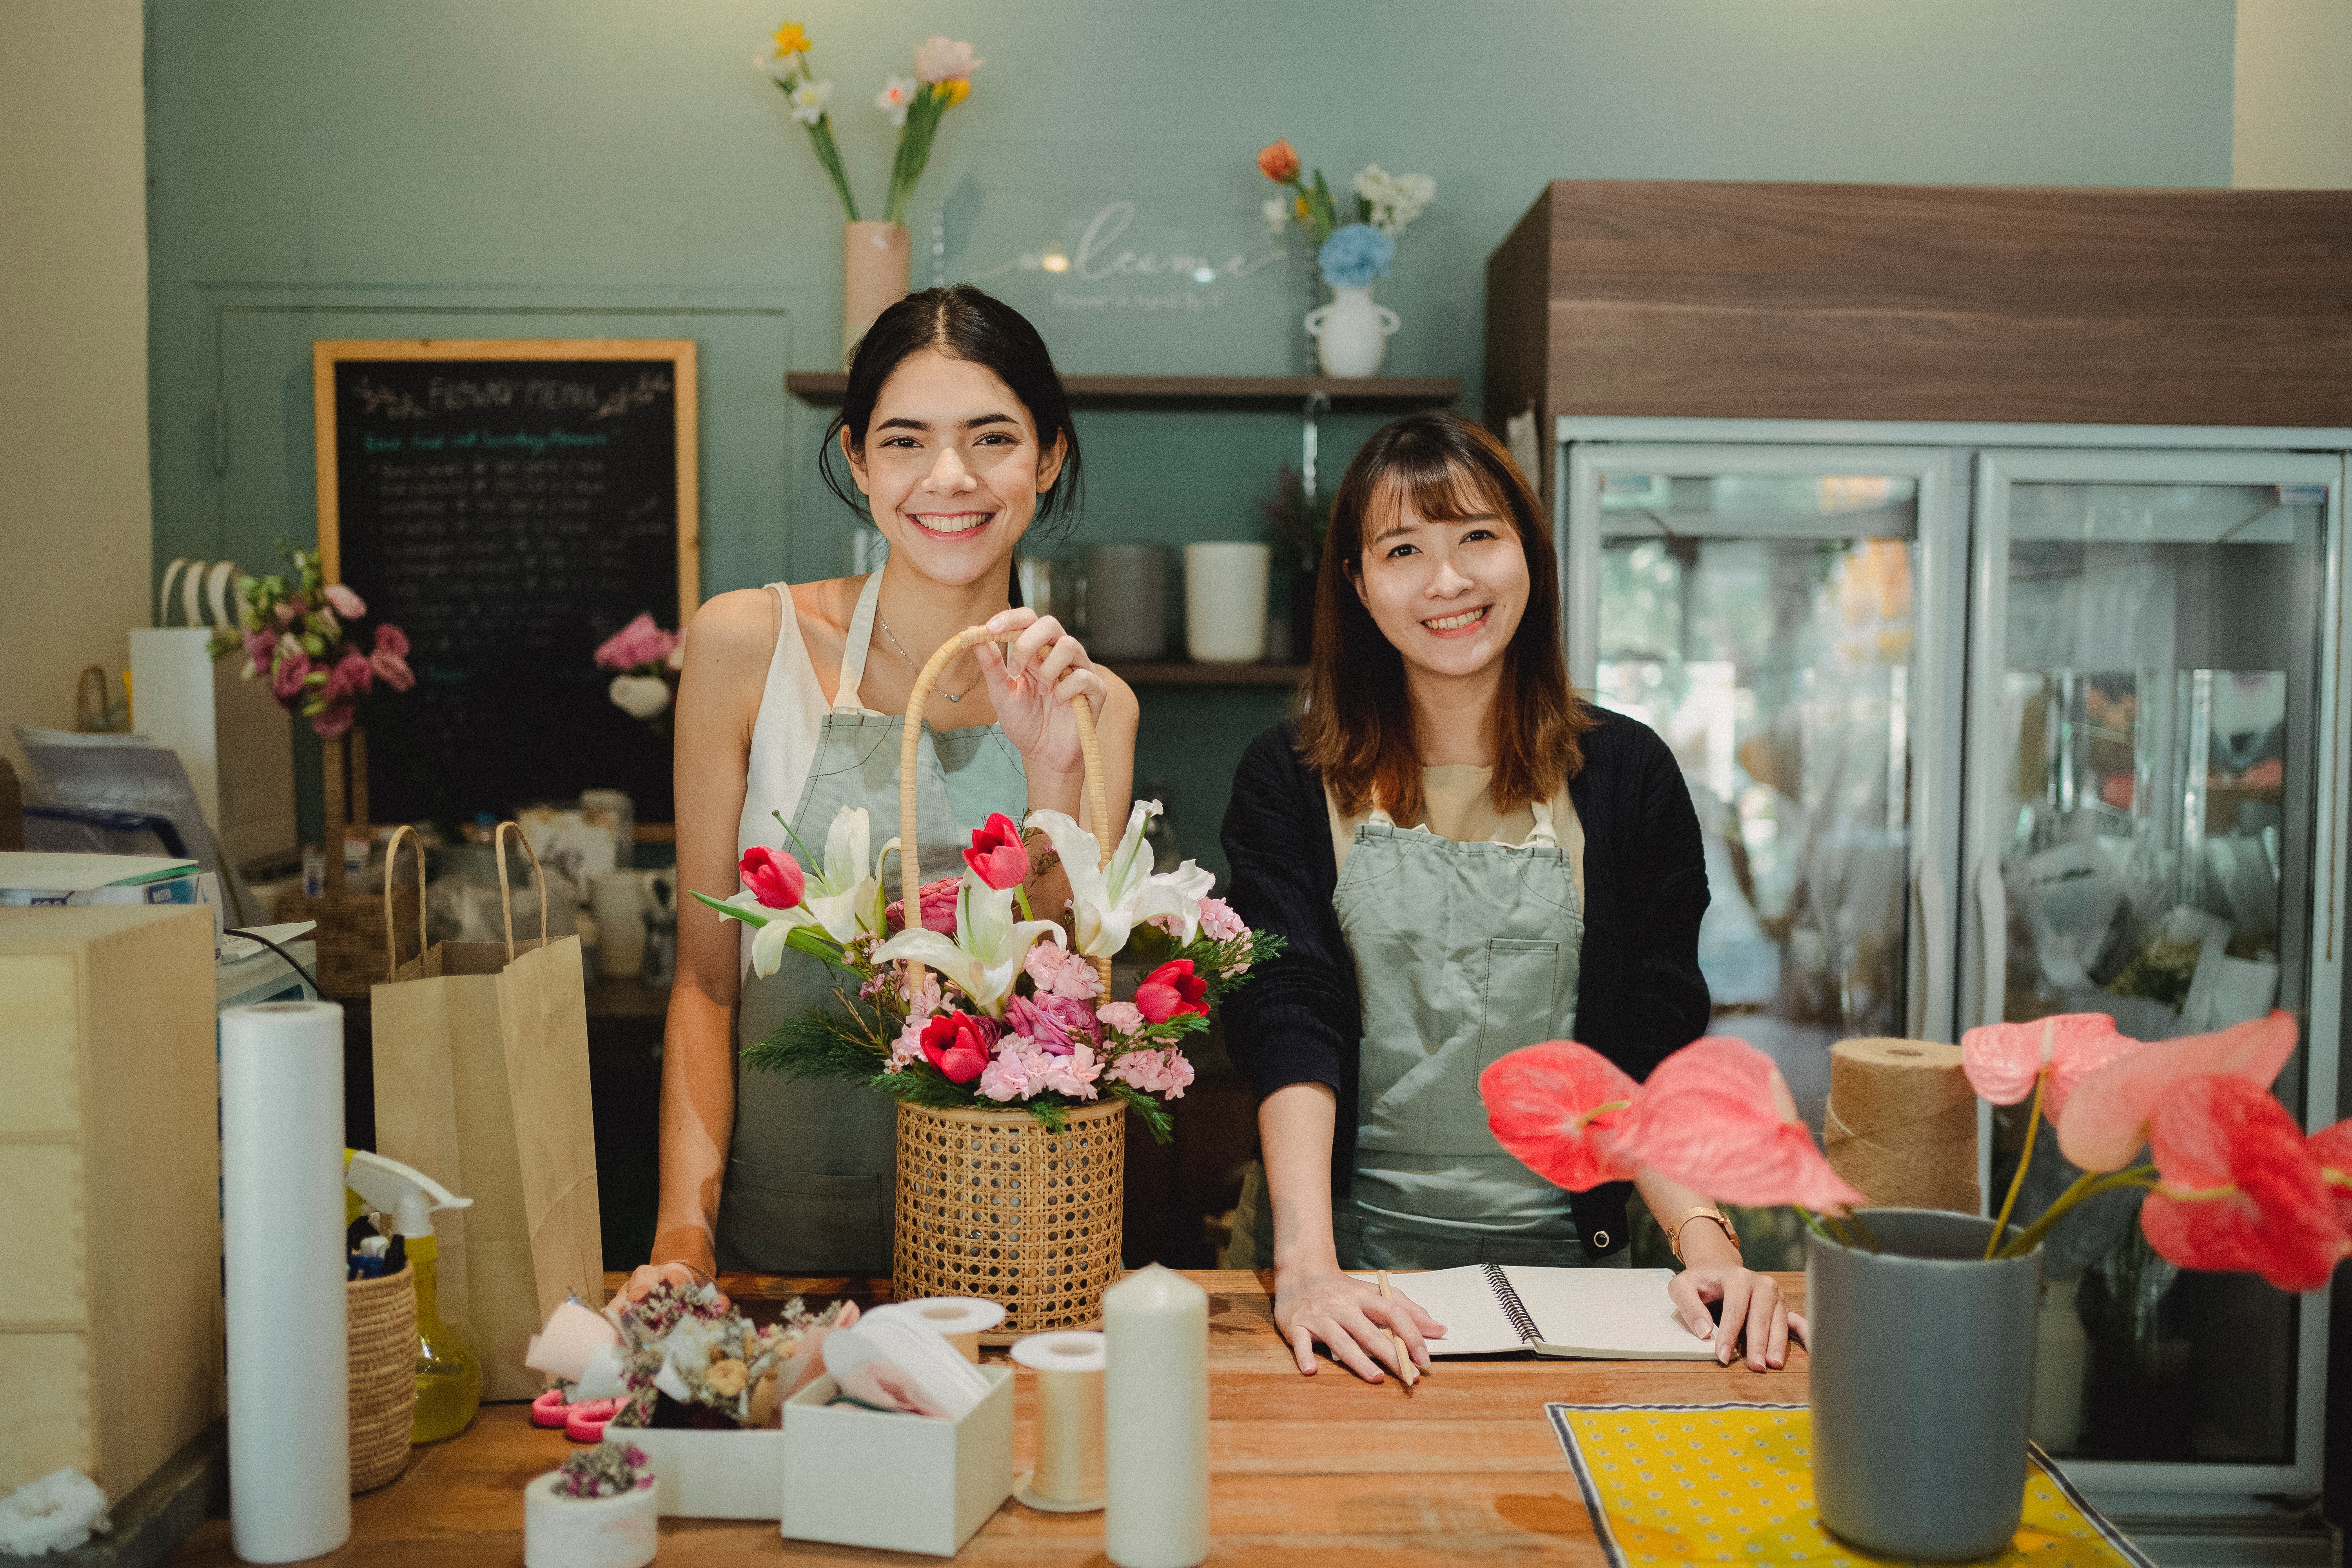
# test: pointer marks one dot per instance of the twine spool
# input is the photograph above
(959, 1319)
(1069, 1478)
(381, 1329)
(1902, 1123)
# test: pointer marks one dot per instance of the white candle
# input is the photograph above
(1156, 1411)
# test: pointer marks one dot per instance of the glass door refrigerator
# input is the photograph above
(1997, 723)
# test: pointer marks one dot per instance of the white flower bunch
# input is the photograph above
(1392, 200)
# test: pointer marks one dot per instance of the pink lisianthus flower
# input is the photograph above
(1121, 1017)
(259, 646)
(997, 856)
(334, 724)
(1219, 922)
(1074, 1074)
(286, 677)
(1558, 1108)
(938, 900)
(390, 659)
(1057, 1023)
(350, 680)
(1058, 972)
(1165, 1072)
(345, 603)
(639, 642)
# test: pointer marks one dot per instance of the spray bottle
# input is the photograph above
(448, 1374)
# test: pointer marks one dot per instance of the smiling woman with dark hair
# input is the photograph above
(956, 438)
(1465, 858)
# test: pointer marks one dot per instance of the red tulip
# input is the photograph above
(774, 877)
(2003, 1060)
(1557, 1107)
(997, 856)
(959, 1044)
(1171, 989)
(2107, 1118)
(2240, 1189)
(1717, 1117)
(2332, 1149)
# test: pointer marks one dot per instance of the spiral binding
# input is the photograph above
(1512, 1308)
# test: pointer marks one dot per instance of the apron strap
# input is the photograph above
(1544, 835)
(853, 652)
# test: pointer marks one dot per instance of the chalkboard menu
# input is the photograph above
(508, 505)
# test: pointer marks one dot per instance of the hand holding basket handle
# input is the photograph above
(909, 757)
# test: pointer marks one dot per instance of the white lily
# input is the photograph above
(1110, 900)
(985, 955)
(771, 928)
(843, 896)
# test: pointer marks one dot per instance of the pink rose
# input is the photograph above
(1058, 1024)
(1121, 1017)
(1061, 972)
(348, 604)
(639, 642)
(939, 908)
(941, 58)
(287, 676)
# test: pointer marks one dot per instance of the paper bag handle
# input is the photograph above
(391, 855)
(506, 894)
(910, 877)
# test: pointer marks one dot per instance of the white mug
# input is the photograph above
(617, 899)
(1224, 602)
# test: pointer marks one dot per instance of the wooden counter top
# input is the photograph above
(1463, 1467)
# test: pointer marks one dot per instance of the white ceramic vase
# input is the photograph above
(562, 1531)
(1224, 602)
(1351, 333)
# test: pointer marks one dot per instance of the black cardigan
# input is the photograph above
(1639, 994)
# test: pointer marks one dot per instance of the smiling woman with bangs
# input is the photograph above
(1465, 859)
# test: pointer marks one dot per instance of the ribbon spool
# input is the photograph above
(1902, 1123)
(1069, 1478)
(959, 1319)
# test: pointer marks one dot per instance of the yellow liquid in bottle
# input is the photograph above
(449, 1374)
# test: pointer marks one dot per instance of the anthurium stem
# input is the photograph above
(1813, 1222)
(2024, 1163)
(2089, 1185)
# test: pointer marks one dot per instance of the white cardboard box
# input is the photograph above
(905, 1483)
(712, 1475)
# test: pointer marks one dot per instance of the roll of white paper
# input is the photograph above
(959, 1319)
(1156, 1420)
(282, 1231)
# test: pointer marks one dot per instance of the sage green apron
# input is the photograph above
(1464, 952)
(811, 1172)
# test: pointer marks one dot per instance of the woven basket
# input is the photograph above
(990, 1202)
(991, 1205)
(382, 1337)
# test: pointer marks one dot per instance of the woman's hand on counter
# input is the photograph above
(1351, 1321)
(1753, 1311)
(648, 1275)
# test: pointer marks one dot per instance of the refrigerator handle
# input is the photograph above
(1992, 919)
(1928, 891)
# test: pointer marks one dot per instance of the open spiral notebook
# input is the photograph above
(1594, 1314)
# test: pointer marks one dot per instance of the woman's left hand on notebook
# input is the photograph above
(1753, 1311)
(1031, 681)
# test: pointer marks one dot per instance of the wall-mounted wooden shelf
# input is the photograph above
(1187, 674)
(1285, 393)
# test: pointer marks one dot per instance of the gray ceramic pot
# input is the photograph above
(1922, 1385)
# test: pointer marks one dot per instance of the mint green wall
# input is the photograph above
(616, 168)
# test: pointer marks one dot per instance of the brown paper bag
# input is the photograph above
(481, 1082)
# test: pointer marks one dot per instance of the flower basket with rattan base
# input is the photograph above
(991, 1205)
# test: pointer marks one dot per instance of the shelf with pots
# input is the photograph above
(1370, 393)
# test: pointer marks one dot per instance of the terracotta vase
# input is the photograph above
(874, 259)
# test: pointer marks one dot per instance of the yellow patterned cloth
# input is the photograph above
(1734, 1483)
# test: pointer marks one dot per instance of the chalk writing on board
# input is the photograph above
(509, 516)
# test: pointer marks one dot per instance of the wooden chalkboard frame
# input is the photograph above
(326, 353)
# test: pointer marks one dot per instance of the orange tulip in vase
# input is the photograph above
(874, 256)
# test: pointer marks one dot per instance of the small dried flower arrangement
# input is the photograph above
(711, 1362)
(607, 1469)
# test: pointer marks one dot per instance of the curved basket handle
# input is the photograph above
(392, 854)
(506, 894)
(910, 740)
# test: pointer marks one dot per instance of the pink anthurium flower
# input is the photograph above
(2106, 1118)
(1556, 1108)
(2002, 1061)
(2238, 1187)
(1716, 1116)
(997, 856)
(2332, 1149)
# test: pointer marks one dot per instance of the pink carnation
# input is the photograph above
(1160, 1072)
(1013, 1074)
(1059, 972)
(908, 1048)
(1073, 1074)
(1057, 1023)
(639, 642)
(345, 603)
(1121, 1017)
(1219, 922)
(922, 997)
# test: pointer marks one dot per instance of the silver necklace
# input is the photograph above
(900, 650)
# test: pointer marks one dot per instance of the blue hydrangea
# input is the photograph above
(1355, 255)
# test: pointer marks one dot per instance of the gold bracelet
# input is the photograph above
(1675, 1236)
